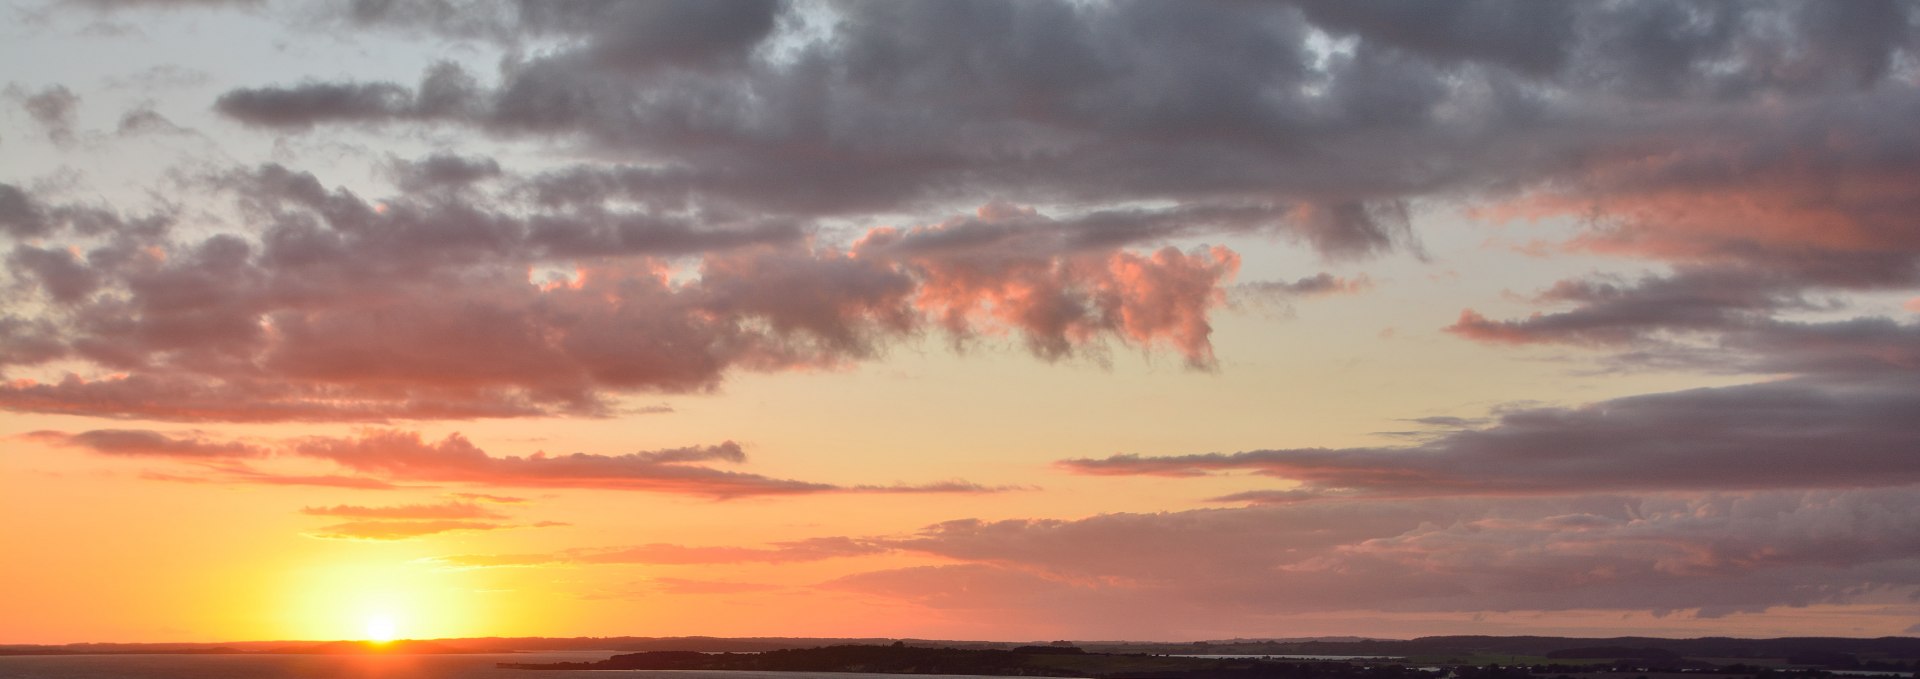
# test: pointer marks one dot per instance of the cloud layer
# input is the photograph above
(382, 459)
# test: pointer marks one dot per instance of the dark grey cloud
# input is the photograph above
(1788, 434)
(63, 277)
(1533, 38)
(316, 102)
(1614, 312)
(645, 36)
(54, 108)
(453, 18)
(164, 4)
(145, 120)
(1310, 286)
(1723, 319)
(445, 90)
(20, 214)
(902, 105)
(1661, 554)
(443, 171)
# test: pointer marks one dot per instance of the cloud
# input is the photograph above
(147, 443)
(1658, 553)
(686, 586)
(1760, 436)
(232, 329)
(797, 551)
(199, 398)
(444, 90)
(445, 510)
(20, 214)
(60, 274)
(1607, 312)
(443, 171)
(683, 33)
(400, 530)
(53, 108)
(233, 473)
(1720, 319)
(402, 522)
(1311, 286)
(405, 456)
(145, 120)
(379, 458)
(892, 107)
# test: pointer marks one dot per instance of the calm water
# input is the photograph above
(477, 666)
(1283, 656)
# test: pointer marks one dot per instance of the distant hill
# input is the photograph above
(1599, 652)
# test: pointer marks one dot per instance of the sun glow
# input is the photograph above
(380, 629)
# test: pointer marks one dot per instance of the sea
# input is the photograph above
(393, 666)
(1280, 656)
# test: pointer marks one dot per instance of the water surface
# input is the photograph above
(395, 666)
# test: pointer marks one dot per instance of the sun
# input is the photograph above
(380, 629)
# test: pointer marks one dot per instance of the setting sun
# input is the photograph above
(380, 629)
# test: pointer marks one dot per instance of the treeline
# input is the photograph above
(1029, 661)
(892, 659)
(1708, 647)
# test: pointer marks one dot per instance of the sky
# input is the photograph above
(1013, 320)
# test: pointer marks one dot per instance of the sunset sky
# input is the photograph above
(980, 320)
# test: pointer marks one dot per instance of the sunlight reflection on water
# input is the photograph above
(465, 666)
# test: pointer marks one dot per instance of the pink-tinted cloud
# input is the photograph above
(1062, 302)
(812, 549)
(243, 474)
(1814, 189)
(380, 458)
(147, 443)
(406, 456)
(687, 586)
(202, 398)
(425, 309)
